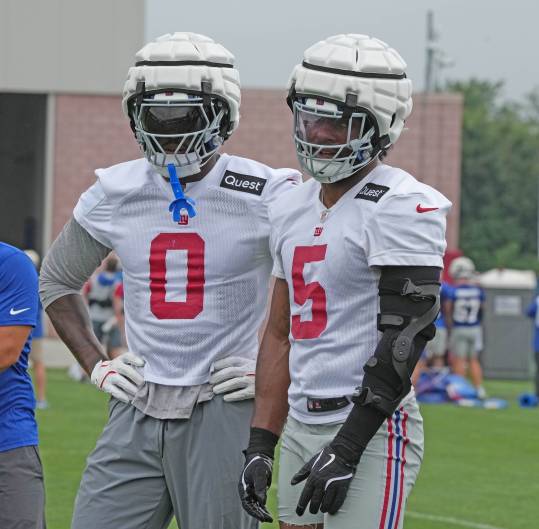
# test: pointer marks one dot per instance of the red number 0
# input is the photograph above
(194, 301)
(304, 291)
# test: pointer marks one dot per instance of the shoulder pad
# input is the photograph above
(119, 180)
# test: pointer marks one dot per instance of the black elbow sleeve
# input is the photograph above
(409, 304)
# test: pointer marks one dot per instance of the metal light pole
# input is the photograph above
(436, 59)
(429, 65)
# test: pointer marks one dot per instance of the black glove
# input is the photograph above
(255, 479)
(254, 484)
(330, 471)
(328, 477)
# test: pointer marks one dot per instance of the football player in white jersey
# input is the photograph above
(357, 257)
(191, 229)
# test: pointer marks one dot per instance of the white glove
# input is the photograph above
(235, 377)
(119, 377)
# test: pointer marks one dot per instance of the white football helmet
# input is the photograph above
(350, 98)
(182, 98)
(462, 268)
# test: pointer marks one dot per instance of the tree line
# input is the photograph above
(500, 176)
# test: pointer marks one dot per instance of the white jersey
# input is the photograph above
(195, 291)
(329, 258)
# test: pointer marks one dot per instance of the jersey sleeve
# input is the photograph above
(408, 230)
(282, 180)
(278, 269)
(94, 213)
(18, 291)
(274, 244)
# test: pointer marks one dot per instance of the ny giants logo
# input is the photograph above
(184, 219)
(318, 231)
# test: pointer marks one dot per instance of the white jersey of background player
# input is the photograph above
(358, 251)
(191, 229)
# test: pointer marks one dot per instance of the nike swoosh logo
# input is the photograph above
(331, 459)
(419, 209)
(14, 312)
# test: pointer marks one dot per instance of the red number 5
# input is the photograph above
(304, 291)
(194, 301)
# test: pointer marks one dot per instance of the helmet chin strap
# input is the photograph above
(186, 170)
(188, 165)
(331, 171)
(181, 202)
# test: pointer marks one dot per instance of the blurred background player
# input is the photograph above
(357, 250)
(99, 294)
(191, 229)
(437, 347)
(435, 351)
(22, 498)
(463, 312)
(37, 352)
(119, 315)
(532, 312)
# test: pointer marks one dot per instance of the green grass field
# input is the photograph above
(481, 467)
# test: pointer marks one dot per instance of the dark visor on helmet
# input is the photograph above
(171, 119)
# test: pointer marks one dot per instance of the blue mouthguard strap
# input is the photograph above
(181, 201)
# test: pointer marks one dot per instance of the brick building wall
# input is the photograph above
(92, 132)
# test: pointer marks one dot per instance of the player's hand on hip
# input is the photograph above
(328, 478)
(234, 378)
(119, 377)
(254, 483)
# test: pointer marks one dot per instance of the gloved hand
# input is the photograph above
(328, 477)
(234, 377)
(255, 478)
(254, 484)
(119, 377)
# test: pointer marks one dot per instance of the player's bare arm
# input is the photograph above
(272, 376)
(271, 405)
(71, 260)
(120, 376)
(70, 318)
(12, 339)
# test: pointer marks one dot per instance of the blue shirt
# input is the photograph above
(440, 320)
(534, 313)
(467, 302)
(18, 306)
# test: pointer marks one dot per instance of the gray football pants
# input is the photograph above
(22, 495)
(143, 470)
